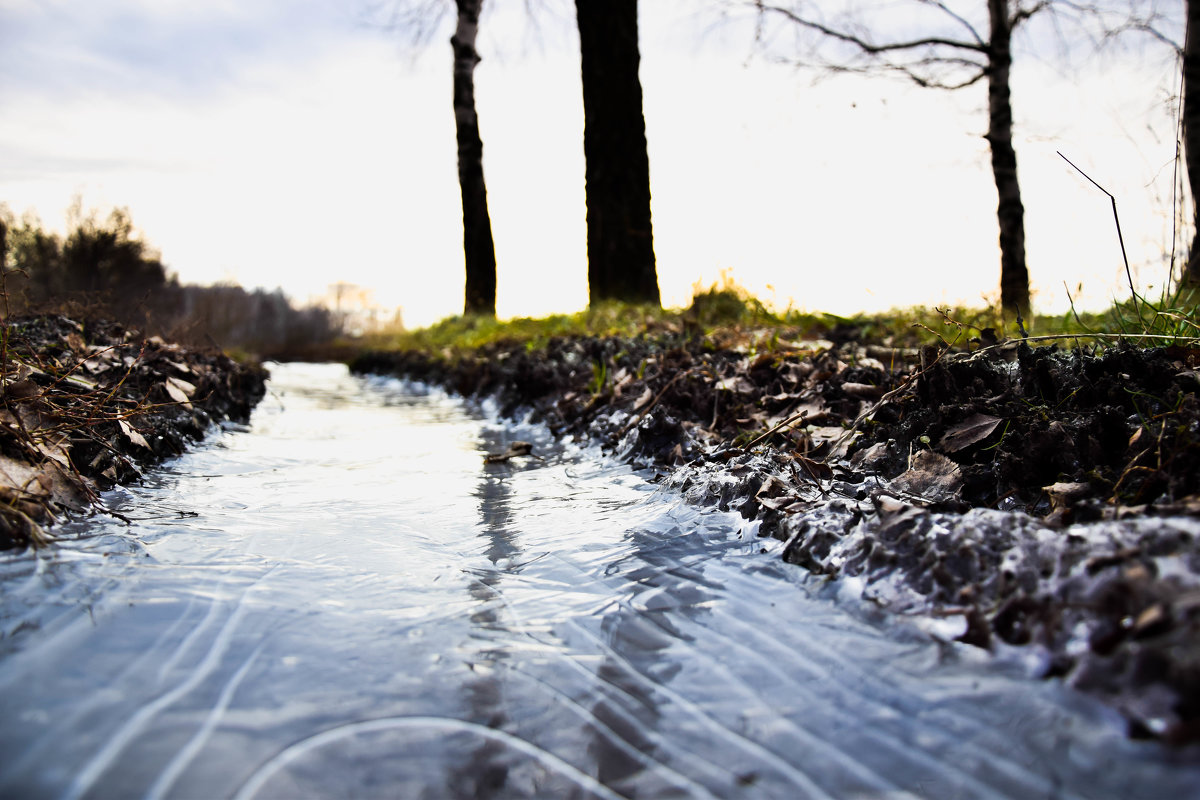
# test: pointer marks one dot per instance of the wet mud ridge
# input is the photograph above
(83, 408)
(1043, 502)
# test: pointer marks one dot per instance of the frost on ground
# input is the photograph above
(1035, 498)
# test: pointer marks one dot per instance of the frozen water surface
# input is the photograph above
(344, 601)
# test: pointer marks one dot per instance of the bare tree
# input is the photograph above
(421, 21)
(1191, 131)
(620, 237)
(958, 49)
(1162, 22)
(478, 247)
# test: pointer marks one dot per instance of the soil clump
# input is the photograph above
(82, 407)
(1038, 501)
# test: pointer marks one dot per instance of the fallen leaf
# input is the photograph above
(763, 360)
(817, 470)
(515, 448)
(870, 457)
(1151, 621)
(76, 343)
(737, 384)
(132, 434)
(177, 394)
(1064, 493)
(863, 391)
(188, 389)
(20, 390)
(808, 413)
(971, 430)
(774, 494)
(931, 475)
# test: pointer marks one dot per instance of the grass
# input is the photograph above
(726, 308)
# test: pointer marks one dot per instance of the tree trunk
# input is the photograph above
(478, 247)
(620, 239)
(1014, 277)
(1191, 132)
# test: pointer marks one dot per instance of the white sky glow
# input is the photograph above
(288, 145)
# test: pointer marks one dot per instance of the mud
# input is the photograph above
(1044, 502)
(85, 407)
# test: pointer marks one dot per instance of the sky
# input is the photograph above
(296, 144)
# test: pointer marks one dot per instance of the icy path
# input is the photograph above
(344, 601)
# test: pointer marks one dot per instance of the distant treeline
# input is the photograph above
(103, 270)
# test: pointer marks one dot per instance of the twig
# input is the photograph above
(652, 403)
(1120, 237)
(788, 421)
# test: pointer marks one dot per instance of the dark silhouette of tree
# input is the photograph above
(1191, 131)
(956, 52)
(620, 238)
(1164, 22)
(421, 21)
(478, 247)
(103, 271)
(36, 260)
(108, 258)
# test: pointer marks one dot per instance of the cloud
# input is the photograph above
(167, 48)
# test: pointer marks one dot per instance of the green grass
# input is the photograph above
(1172, 319)
(473, 332)
(729, 309)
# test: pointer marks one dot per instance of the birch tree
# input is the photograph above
(478, 247)
(422, 21)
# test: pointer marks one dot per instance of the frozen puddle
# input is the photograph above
(344, 601)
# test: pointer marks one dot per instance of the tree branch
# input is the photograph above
(957, 18)
(1023, 14)
(867, 47)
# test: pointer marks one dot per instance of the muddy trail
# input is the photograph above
(1044, 499)
(84, 407)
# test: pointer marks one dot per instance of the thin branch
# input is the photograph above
(1120, 236)
(958, 18)
(1023, 14)
(862, 44)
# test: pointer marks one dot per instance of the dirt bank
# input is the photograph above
(83, 407)
(1042, 499)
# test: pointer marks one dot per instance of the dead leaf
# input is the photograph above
(863, 391)
(763, 360)
(972, 430)
(642, 400)
(515, 448)
(76, 343)
(737, 384)
(931, 475)
(177, 394)
(774, 494)
(817, 470)
(807, 413)
(870, 457)
(132, 434)
(1151, 621)
(21, 390)
(55, 448)
(188, 389)
(1063, 493)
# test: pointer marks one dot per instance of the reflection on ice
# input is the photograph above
(353, 604)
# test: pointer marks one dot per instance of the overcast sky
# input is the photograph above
(295, 143)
